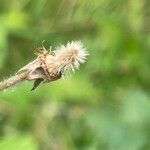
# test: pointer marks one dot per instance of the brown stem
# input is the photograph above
(13, 80)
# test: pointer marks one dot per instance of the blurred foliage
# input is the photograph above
(106, 104)
(17, 142)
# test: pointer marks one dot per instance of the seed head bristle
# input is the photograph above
(70, 56)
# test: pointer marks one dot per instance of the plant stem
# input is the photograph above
(13, 80)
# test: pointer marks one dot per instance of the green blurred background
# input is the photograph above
(106, 104)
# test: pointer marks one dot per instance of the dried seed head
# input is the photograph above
(62, 59)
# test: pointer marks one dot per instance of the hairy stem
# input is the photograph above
(13, 80)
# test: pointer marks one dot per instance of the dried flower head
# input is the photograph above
(59, 62)
(63, 59)
(50, 66)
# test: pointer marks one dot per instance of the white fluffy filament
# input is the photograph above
(70, 56)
